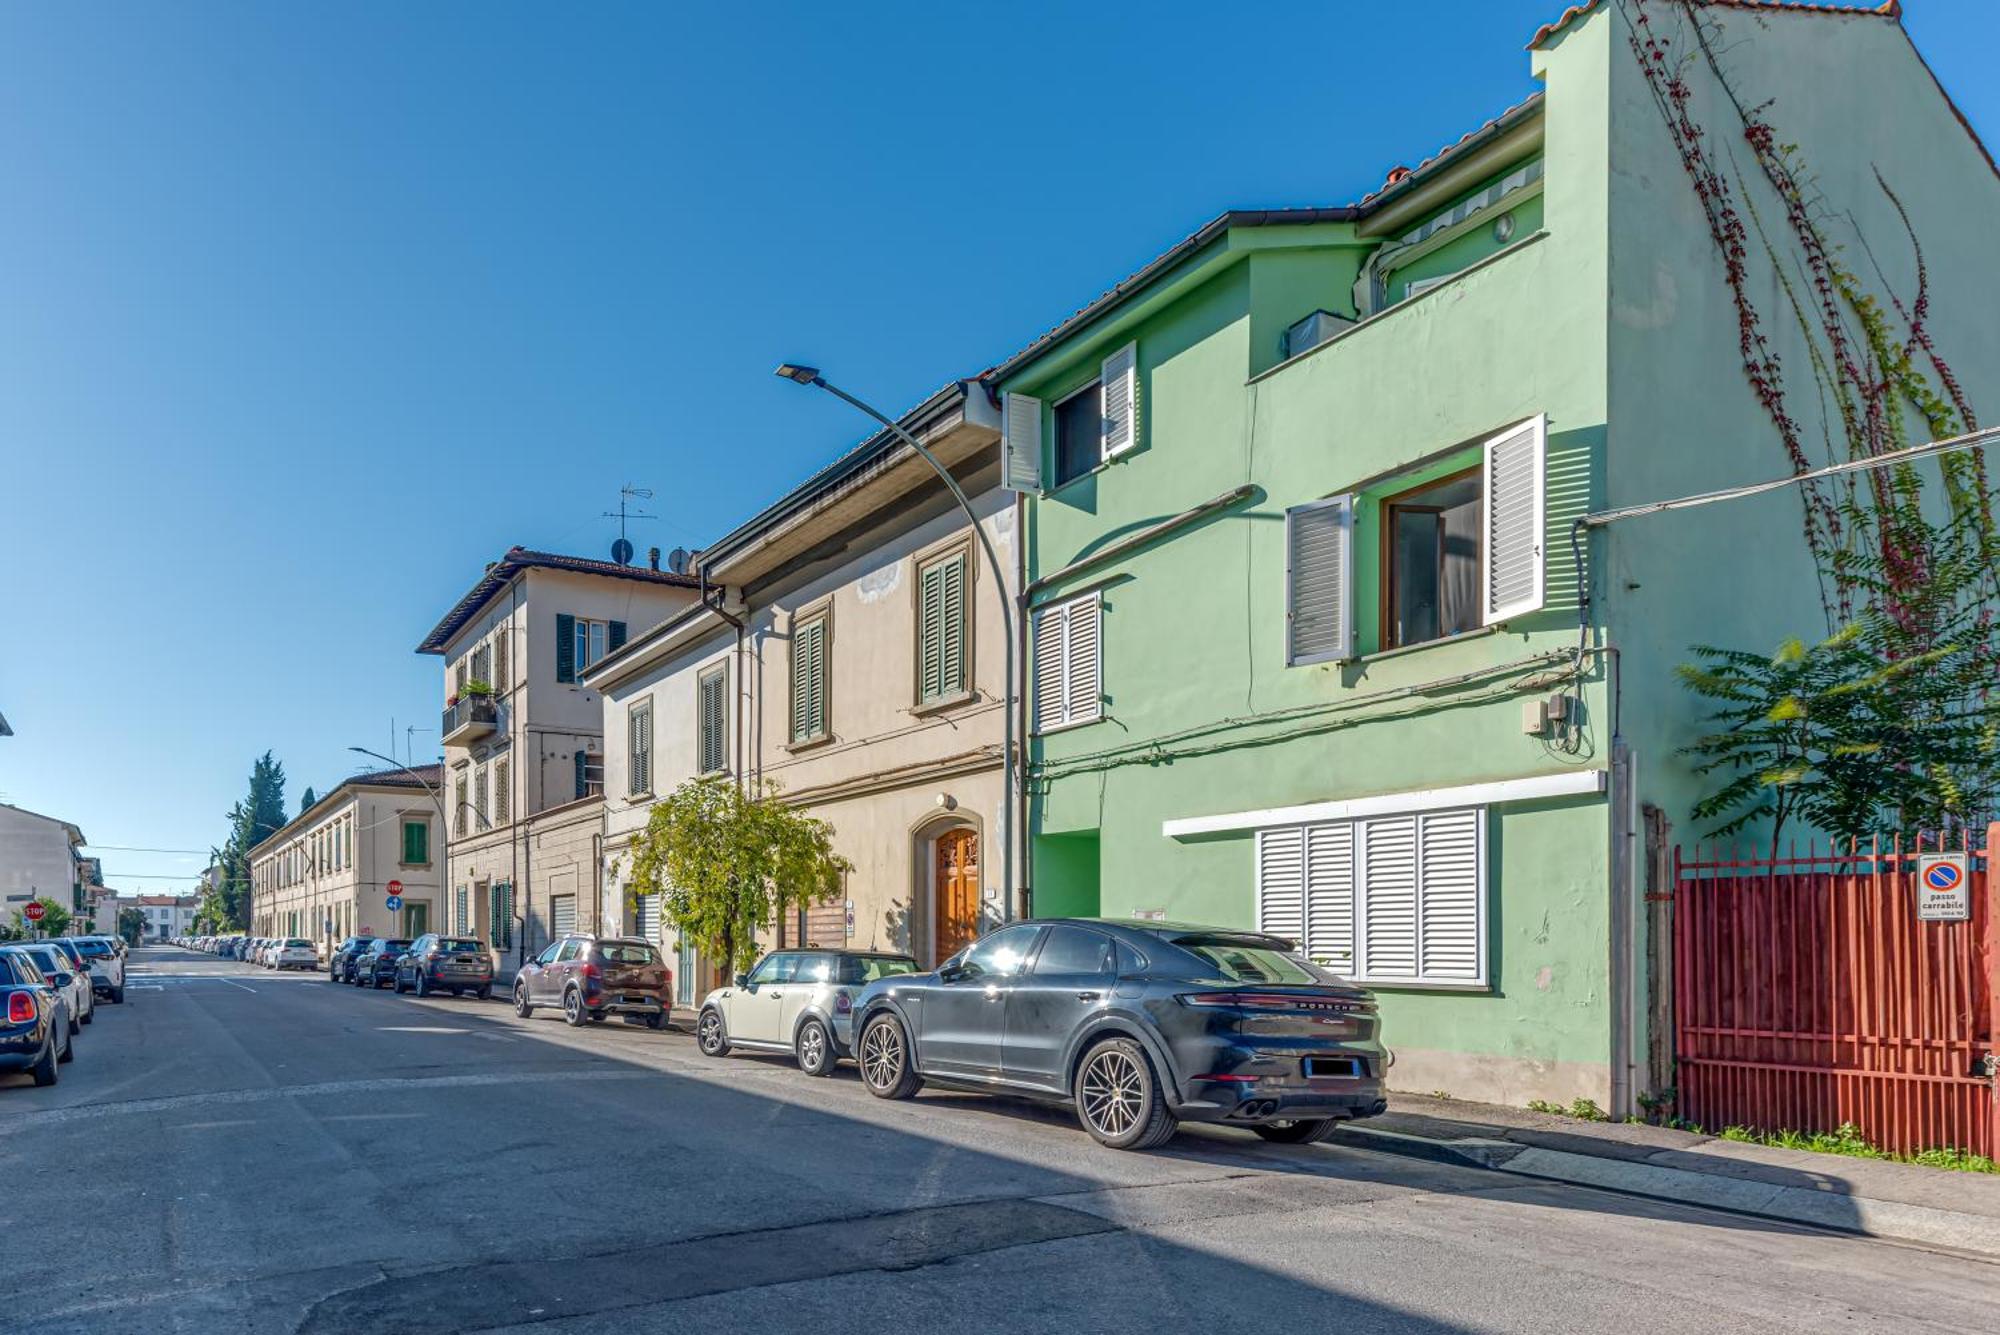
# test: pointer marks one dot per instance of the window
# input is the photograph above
(809, 679)
(580, 642)
(458, 677)
(417, 838)
(649, 917)
(589, 773)
(1387, 899)
(482, 664)
(639, 749)
(1068, 675)
(712, 721)
(481, 807)
(503, 666)
(1001, 955)
(1073, 950)
(1430, 565)
(562, 914)
(1079, 433)
(459, 805)
(564, 950)
(942, 633)
(503, 791)
(548, 955)
(500, 915)
(461, 918)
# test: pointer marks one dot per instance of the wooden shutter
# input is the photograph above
(1021, 443)
(503, 666)
(614, 638)
(1329, 930)
(638, 750)
(1512, 522)
(458, 811)
(582, 783)
(416, 839)
(712, 723)
(1119, 386)
(941, 630)
(1449, 860)
(1389, 897)
(565, 647)
(809, 679)
(1069, 686)
(1319, 581)
(1281, 883)
(503, 792)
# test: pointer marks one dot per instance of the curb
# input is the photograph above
(1866, 1216)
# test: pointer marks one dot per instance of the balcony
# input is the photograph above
(471, 718)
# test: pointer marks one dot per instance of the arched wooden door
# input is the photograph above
(955, 903)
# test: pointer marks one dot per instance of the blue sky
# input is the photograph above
(311, 311)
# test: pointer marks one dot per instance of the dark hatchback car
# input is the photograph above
(340, 964)
(1140, 1025)
(376, 966)
(35, 1028)
(592, 977)
(454, 964)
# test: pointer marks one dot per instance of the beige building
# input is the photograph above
(852, 653)
(327, 875)
(523, 738)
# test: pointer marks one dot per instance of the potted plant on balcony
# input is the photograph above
(476, 687)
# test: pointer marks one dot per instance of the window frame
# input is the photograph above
(409, 823)
(1385, 573)
(580, 638)
(959, 550)
(1094, 387)
(1070, 718)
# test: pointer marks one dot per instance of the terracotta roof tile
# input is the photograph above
(1888, 9)
(518, 559)
(1398, 175)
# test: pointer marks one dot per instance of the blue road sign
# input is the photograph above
(395, 903)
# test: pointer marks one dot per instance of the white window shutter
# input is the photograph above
(1050, 638)
(1281, 883)
(1021, 443)
(1319, 581)
(1329, 927)
(1085, 678)
(1389, 897)
(1069, 684)
(1449, 858)
(1119, 384)
(1511, 532)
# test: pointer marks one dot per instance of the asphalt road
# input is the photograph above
(238, 1151)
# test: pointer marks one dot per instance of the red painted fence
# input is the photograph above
(1808, 994)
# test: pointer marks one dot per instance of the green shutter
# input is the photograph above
(941, 631)
(809, 680)
(416, 842)
(614, 639)
(565, 647)
(579, 774)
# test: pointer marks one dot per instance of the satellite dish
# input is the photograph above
(621, 552)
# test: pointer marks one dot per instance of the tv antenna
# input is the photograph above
(621, 550)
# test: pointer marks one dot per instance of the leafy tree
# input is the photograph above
(306, 799)
(132, 925)
(251, 821)
(728, 864)
(55, 918)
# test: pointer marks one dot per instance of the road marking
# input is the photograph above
(418, 1029)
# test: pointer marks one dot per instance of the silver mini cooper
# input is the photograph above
(797, 1001)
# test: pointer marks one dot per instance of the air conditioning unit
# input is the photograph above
(1312, 331)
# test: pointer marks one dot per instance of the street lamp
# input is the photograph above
(437, 797)
(809, 375)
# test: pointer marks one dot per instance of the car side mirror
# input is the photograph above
(743, 980)
(950, 973)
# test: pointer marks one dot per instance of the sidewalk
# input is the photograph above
(1906, 1202)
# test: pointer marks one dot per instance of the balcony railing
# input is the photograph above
(470, 719)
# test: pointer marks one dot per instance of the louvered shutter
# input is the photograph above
(1319, 581)
(951, 613)
(565, 647)
(1389, 897)
(614, 638)
(649, 916)
(1281, 867)
(809, 680)
(711, 722)
(582, 783)
(1448, 859)
(639, 750)
(1021, 443)
(1119, 385)
(930, 633)
(1084, 683)
(562, 915)
(1329, 927)
(503, 792)
(503, 666)
(458, 677)
(1511, 531)
(458, 811)
(1049, 643)
(462, 916)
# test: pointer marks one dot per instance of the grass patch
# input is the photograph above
(1582, 1110)
(1848, 1141)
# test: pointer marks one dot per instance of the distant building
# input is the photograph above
(167, 916)
(38, 859)
(328, 874)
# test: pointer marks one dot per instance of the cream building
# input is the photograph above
(852, 653)
(523, 739)
(327, 875)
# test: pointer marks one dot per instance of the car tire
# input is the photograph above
(44, 1070)
(710, 1036)
(814, 1048)
(485, 993)
(396, 981)
(573, 1009)
(886, 1061)
(657, 1020)
(118, 995)
(1118, 1097)
(421, 985)
(1307, 1132)
(90, 1015)
(69, 1044)
(521, 1006)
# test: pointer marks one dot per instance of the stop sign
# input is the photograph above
(34, 911)
(395, 887)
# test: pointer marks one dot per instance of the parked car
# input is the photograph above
(377, 964)
(76, 964)
(796, 1001)
(1139, 1026)
(295, 953)
(34, 1021)
(592, 977)
(67, 978)
(106, 966)
(340, 964)
(438, 963)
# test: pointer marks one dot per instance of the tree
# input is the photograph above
(55, 918)
(251, 821)
(306, 800)
(728, 864)
(132, 925)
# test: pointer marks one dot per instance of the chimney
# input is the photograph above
(653, 558)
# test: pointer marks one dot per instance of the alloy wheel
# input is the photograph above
(812, 1047)
(709, 1032)
(882, 1055)
(1114, 1093)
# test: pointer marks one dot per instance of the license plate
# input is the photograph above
(1325, 1068)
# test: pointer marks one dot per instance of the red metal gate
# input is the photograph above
(1807, 994)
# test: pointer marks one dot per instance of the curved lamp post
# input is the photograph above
(809, 375)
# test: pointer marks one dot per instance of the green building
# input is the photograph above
(1312, 645)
